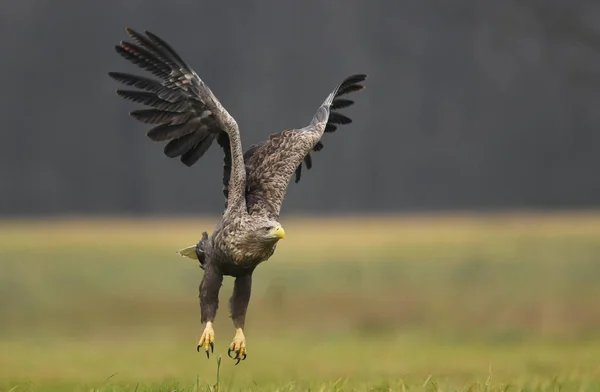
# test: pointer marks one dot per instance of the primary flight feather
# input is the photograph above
(189, 118)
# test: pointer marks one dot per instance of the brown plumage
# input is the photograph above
(187, 115)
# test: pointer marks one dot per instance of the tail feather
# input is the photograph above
(198, 251)
(189, 252)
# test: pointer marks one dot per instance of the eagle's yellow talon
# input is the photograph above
(207, 340)
(238, 346)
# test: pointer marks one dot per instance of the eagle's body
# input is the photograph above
(190, 117)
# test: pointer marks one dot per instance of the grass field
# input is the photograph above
(416, 303)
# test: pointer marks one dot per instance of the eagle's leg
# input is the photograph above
(209, 302)
(238, 305)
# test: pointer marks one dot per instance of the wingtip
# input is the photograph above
(152, 35)
(186, 162)
(114, 75)
(130, 32)
(357, 78)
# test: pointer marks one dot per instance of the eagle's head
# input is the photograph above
(257, 240)
(266, 232)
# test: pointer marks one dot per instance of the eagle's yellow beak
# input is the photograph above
(277, 232)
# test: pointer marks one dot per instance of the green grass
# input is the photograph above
(423, 303)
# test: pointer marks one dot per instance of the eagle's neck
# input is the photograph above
(239, 240)
(253, 253)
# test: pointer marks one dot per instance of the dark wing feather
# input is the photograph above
(337, 118)
(145, 98)
(193, 155)
(157, 116)
(341, 103)
(308, 161)
(298, 173)
(182, 107)
(142, 83)
(181, 145)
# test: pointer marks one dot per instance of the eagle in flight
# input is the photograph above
(187, 115)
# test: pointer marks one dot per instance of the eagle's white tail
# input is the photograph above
(189, 252)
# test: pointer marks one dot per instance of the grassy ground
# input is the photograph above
(481, 303)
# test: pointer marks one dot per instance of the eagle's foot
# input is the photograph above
(207, 339)
(238, 346)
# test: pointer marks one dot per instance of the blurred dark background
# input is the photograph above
(470, 104)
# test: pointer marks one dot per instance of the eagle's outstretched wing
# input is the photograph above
(183, 109)
(271, 164)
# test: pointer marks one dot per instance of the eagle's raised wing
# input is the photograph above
(271, 164)
(183, 109)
